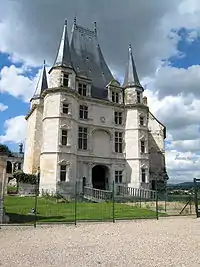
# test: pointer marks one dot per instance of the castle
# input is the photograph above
(83, 123)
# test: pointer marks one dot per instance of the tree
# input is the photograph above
(4, 149)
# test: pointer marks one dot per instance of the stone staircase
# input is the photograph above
(96, 195)
(122, 194)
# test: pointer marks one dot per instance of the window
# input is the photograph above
(118, 117)
(142, 147)
(82, 138)
(118, 142)
(118, 177)
(65, 109)
(138, 97)
(143, 171)
(64, 137)
(141, 120)
(19, 167)
(63, 170)
(115, 97)
(65, 80)
(83, 112)
(82, 89)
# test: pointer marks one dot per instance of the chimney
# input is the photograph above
(145, 101)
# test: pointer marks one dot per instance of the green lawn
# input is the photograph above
(19, 208)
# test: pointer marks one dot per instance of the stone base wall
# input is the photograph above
(26, 189)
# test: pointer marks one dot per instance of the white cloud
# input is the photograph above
(14, 81)
(15, 130)
(172, 81)
(3, 107)
(118, 25)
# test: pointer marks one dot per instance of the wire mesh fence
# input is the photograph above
(120, 203)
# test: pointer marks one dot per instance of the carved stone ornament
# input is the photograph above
(64, 99)
(142, 137)
(65, 126)
(102, 119)
(64, 162)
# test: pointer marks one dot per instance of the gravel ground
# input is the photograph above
(167, 242)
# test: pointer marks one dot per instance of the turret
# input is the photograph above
(62, 73)
(40, 87)
(132, 87)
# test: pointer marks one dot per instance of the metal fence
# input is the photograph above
(120, 203)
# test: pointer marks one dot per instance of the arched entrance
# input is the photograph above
(99, 179)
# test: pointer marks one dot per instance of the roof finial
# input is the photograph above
(75, 20)
(66, 22)
(131, 77)
(44, 62)
(95, 27)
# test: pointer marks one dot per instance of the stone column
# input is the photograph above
(3, 159)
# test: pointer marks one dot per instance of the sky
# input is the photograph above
(165, 38)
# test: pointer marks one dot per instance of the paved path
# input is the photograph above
(167, 242)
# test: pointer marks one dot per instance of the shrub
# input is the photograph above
(25, 178)
(11, 190)
(4, 149)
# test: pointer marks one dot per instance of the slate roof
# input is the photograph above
(84, 55)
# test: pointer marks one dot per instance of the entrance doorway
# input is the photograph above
(99, 177)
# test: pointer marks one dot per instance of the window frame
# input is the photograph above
(65, 106)
(82, 138)
(142, 118)
(63, 171)
(118, 142)
(115, 96)
(118, 176)
(142, 146)
(65, 77)
(118, 117)
(138, 97)
(143, 175)
(82, 89)
(83, 112)
(64, 137)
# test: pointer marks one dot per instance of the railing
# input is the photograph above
(136, 192)
(97, 194)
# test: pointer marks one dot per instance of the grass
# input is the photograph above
(48, 210)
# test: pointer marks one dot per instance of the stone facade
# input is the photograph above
(3, 159)
(122, 139)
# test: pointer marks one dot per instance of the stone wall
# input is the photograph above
(26, 189)
(3, 159)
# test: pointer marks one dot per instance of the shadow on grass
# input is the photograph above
(21, 218)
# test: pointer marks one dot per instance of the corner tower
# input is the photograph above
(136, 127)
(133, 90)
(33, 140)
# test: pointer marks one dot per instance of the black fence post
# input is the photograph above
(36, 197)
(196, 197)
(113, 201)
(165, 197)
(140, 196)
(83, 185)
(156, 198)
(75, 205)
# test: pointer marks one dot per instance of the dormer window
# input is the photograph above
(65, 80)
(82, 89)
(138, 97)
(115, 97)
